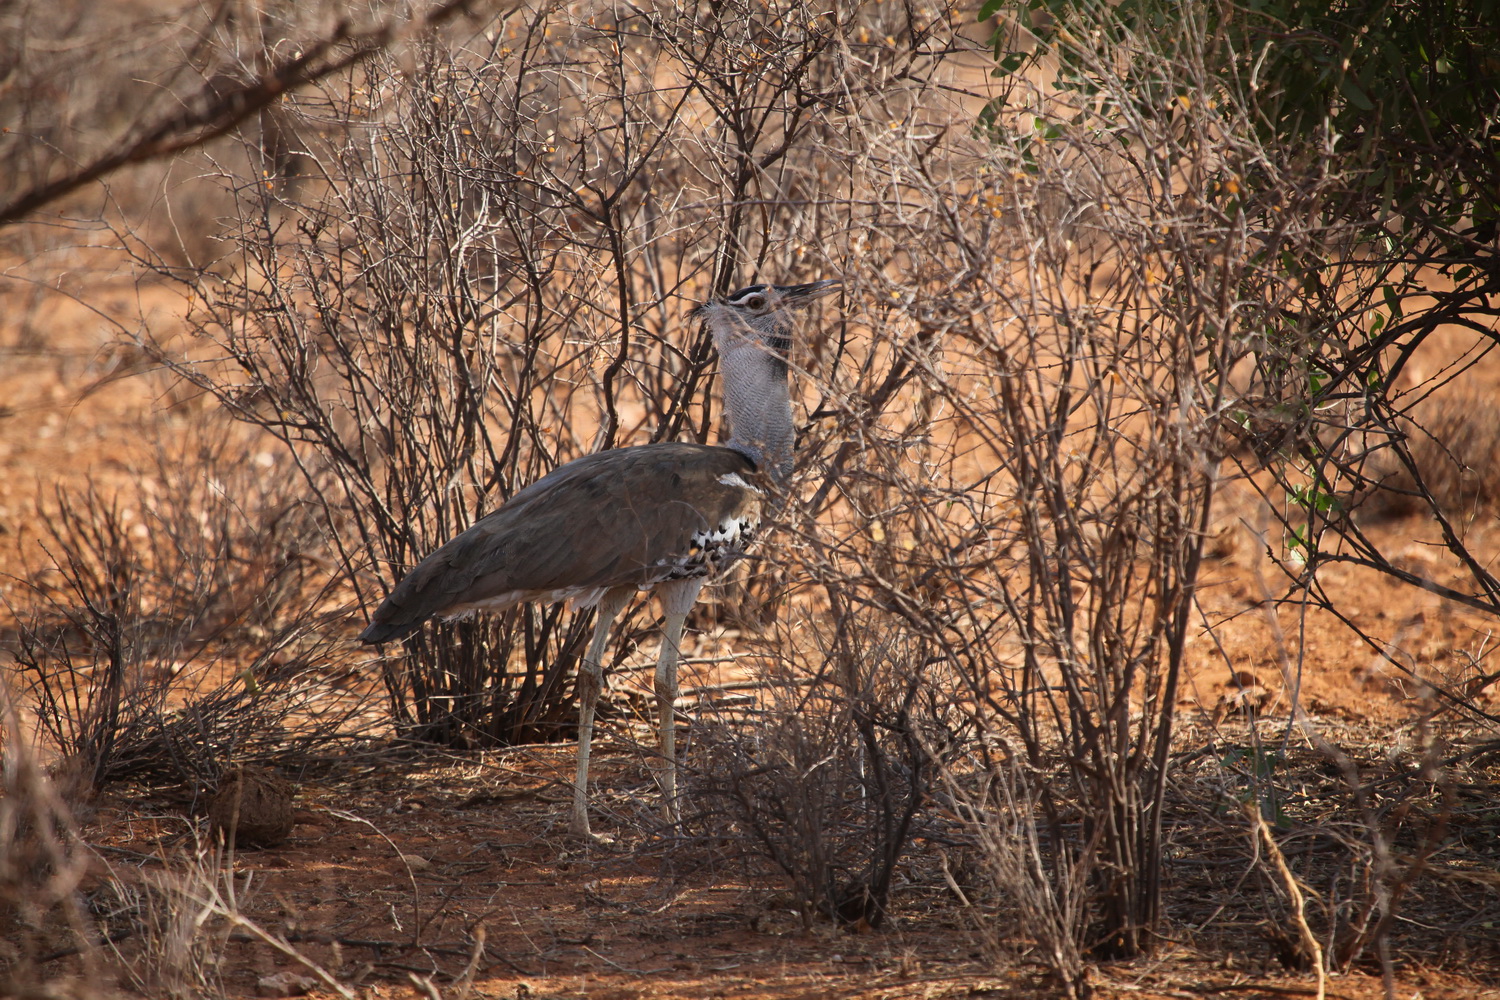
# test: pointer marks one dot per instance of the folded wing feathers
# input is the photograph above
(606, 520)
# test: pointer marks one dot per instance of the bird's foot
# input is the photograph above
(581, 832)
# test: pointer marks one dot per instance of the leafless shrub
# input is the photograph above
(477, 283)
(130, 648)
(1042, 883)
(1027, 450)
(828, 778)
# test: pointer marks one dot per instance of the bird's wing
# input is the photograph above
(612, 519)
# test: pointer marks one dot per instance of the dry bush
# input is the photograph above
(181, 627)
(482, 276)
(1441, 453)
(73, 927)
(1028, 479)
(828, 776)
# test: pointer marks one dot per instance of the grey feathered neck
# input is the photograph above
(757, 401)
(758, 405)
(752, 328)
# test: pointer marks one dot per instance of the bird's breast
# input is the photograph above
(730, 511)
(712, 549)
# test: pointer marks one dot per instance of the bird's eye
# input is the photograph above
(756, 302)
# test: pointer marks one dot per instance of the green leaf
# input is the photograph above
(1392, 302)
(1349, 87)
(1009, 64)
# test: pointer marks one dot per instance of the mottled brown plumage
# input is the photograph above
(621, 518)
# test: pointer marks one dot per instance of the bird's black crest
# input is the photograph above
(747, 291)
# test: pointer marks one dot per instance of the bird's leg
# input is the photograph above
(590, 683)
(677, 599)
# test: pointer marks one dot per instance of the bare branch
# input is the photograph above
(212, 113)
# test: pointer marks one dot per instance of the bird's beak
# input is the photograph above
(811, 290)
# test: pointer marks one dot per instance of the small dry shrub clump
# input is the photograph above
(252, 808)
(1443, 455)
(190, 622)
(828, 777)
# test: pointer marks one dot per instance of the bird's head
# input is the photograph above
(759, 315)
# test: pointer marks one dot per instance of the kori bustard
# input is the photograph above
(654, 516)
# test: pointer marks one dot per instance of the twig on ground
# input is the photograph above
(1293, 889)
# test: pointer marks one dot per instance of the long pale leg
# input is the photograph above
(677, 599)
(590, 683)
